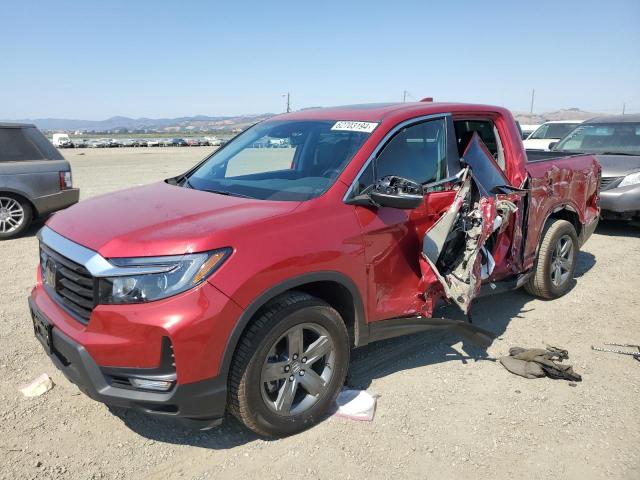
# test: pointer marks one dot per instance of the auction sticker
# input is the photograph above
(350, 126)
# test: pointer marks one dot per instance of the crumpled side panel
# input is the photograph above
(461, 284)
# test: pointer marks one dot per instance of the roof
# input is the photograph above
(376, 112)
(16, 125)
(615, 119)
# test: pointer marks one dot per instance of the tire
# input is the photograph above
(554, 267)
(15, 215)
(268, 350)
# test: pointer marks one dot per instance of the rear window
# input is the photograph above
(25, 144)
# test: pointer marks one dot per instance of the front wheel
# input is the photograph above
(289, 366)
(556, 263)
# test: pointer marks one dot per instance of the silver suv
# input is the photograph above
(35, 179)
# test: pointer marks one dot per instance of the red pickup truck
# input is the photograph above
(243, 284)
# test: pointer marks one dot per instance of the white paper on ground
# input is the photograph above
(39, 386)
(356, 405)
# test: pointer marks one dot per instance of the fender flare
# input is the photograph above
(21, 194)
(361, 330)
(555, 209)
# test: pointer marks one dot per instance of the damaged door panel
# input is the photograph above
(456, 251)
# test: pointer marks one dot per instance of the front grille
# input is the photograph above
(73, 286)
(608, 182)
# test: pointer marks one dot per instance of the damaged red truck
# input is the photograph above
(243, 284)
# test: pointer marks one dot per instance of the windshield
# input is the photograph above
(553, 130)
(623, 137)
(282, 160)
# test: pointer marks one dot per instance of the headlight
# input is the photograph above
(631, 179)
(168, 276)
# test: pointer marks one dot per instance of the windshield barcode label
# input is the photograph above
(350, 126)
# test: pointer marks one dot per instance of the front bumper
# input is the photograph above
(57, 201)
(621, 202)
(199, 404)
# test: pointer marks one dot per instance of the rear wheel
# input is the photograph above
(15, 215)
(289, 366)
(556, 263)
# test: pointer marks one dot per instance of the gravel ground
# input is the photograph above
(445, 409)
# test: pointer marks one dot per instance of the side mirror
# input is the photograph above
(553, 145)
(397, 192)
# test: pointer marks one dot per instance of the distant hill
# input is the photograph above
(207, 123)
(564, 114)
(198, 122)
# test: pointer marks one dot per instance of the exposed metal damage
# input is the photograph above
(455, 250)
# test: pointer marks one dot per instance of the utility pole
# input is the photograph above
(533, 94)
(624, 105)
(288, 101)
(404, 96)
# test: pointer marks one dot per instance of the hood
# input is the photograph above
(618, 165)
(159, 219)
(539, 143)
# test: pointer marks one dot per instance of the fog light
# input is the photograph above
(149, 384)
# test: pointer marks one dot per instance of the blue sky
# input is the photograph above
(95, 59)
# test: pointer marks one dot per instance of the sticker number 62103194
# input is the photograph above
(351, 126)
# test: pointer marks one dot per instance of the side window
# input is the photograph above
(417, 152)
(487, 132)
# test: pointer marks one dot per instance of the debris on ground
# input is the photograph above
(39, 386)
(538, 362)
(356, 405)
(635, 355)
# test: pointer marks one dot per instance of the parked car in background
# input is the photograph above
(35, 179)
(115, 143)
(549, 133)
(80, 143)
(177, 142)
(528, 130)
(153, 142)
(99, 143)
(194, 142)
(242, 284)
(61, 140)
(141, 142)
(615, 140)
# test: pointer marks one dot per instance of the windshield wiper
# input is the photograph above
(224, 192)
(619, 153)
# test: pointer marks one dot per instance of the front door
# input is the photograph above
(393, 238)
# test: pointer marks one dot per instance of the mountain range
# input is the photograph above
(563, 114)
(198, 121)
(203, 122)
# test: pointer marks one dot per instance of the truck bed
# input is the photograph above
(560, 182)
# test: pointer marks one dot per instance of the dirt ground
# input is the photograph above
(445, 410)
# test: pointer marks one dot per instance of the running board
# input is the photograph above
(491, 288)
(398, 327)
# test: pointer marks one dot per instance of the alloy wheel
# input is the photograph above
(11, 214)
(298, 369)
(562, 260)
